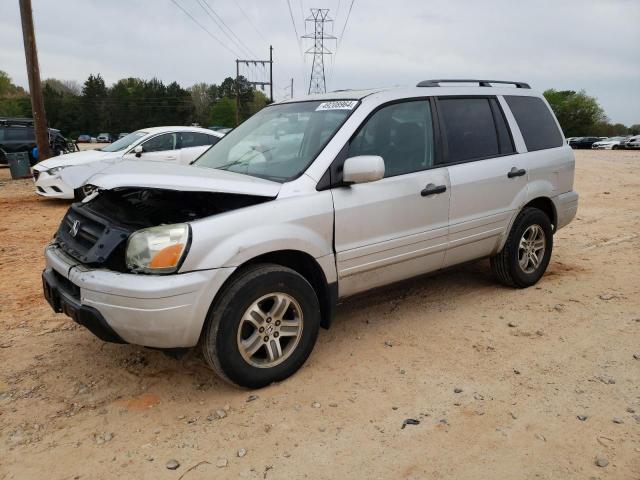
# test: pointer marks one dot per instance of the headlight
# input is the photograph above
(158, 249)
(54, 170)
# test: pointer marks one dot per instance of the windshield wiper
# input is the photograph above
(240, 160)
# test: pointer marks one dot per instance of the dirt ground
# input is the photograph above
(528, 363)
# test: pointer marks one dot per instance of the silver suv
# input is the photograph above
(248, 251)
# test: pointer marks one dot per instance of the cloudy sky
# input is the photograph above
(564, 44)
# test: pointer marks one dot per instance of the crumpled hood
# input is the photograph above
(168, 176)
(76, 158)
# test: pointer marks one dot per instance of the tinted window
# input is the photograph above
(19, 134)
(505, 143)
(469, 128)
(166, 141)
(536, 122)
(402, 134)
(196, 139)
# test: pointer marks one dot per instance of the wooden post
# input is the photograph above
(35, 87)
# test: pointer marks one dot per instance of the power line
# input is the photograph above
(345, 25)
(239, 43)
(250, 21)
(205, 29)
(295, 29)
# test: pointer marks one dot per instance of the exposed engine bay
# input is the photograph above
(95, 232)
(148, 207)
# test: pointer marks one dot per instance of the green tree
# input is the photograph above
(578, 113)
(224, 113)
(93, 103)
(634, 129)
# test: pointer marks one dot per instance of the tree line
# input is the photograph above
(581, 115)
(131, 104)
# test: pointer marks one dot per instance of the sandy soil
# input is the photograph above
(528, 363)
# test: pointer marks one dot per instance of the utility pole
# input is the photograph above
(270, 73)
(237, 92)
(255, 84)
(292, 88)
(35, 87)
(319, 16)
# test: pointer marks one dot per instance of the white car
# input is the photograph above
(632, 142)
(612, 143)
(168, 144)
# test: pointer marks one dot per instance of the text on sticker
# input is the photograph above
(337, 105)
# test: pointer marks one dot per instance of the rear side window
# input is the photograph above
(19, 134)
(536, 122)
(474, 128)
(196, 139)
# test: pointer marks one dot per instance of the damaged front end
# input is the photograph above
(95, 232)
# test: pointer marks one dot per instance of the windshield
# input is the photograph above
(279, 142)
(124, 142)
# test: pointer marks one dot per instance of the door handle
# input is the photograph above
(433, 189)
(516, 172)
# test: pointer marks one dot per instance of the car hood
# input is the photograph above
(77, 158)
(167, 176)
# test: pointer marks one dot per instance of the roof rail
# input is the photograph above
(482, 83)
(6, 121)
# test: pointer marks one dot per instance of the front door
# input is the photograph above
(393, 228)
(159, 148)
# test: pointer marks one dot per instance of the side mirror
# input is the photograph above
(363, 169)
(138, 150)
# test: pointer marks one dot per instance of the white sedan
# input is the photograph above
(611, 143)
(167, 144)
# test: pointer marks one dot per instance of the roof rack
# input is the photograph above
(26, 122)
(482, 83)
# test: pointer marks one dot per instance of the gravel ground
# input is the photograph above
(540, 383)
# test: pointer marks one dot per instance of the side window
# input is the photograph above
(17, 133)
(196, 139)
(402, 134)
(166, 141)
(536, 122)
(470, 128)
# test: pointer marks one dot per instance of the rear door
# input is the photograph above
(488, 177)
(194, 144)
(396, 227)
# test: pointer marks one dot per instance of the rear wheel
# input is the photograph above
(527, 251)
(263, 326)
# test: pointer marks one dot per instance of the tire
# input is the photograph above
(257, 288)
(615, 147)
(507, 264)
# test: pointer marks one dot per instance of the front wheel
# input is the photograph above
(527, 251)
(263, 326)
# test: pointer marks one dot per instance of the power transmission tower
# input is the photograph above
(319, 16)
(255, 84)
(35, 87)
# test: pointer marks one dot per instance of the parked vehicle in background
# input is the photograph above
(224, 131)
(104, 138)
(247, 252)
(215, 128)
(632, 142)
(18, 135)
(180, 145)
(122, 135)
(612, 143)
(583, 142)
(84, 138)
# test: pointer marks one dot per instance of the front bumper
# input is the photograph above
(165, 311)
(52, 186)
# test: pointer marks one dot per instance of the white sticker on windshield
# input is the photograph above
(337, 105)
